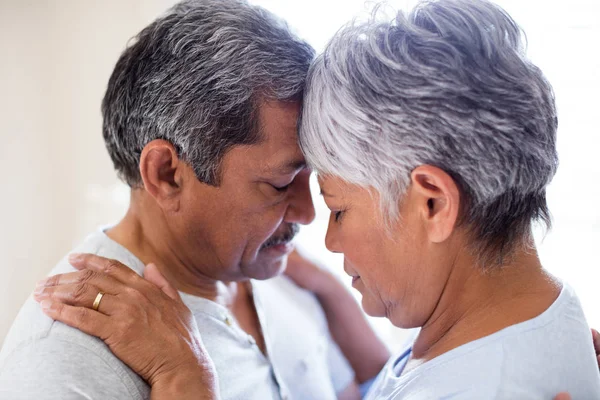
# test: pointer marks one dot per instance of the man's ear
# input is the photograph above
(162, 173)
(437, 200)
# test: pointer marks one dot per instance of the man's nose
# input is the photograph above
(301, 209)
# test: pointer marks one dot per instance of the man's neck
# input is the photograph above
(143, 235)
(475, 304)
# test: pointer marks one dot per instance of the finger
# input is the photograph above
(104, 265)
(563, 396)
(596, 339)
(120, 272)
(76, 288)
(153, 275)
(85, 276)
(60, 279)
(86, 320)
(78, 296)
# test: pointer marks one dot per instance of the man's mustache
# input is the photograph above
(284, 237)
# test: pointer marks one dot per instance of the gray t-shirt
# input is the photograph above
(535, 359)
(45, 359)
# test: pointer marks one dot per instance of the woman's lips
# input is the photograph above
(350, 271)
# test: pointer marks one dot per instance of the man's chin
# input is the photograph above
(266, 266)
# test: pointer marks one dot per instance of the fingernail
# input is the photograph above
(38, 290)
(74, 257)
(46, 304)
(41, 283)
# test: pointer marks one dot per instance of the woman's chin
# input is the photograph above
(373, 308)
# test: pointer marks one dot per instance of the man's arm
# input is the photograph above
(365, 352)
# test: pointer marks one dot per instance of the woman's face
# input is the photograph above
(399, 271)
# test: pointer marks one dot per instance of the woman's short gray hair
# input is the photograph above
(195, 77)
(448, 86)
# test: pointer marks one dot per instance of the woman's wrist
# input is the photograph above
(194, 382)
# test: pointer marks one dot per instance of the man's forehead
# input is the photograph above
(279, 122)
(279, 130)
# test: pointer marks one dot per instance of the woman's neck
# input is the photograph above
(477, 303)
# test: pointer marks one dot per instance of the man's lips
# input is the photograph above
(281, 248)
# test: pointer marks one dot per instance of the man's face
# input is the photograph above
(243, 228)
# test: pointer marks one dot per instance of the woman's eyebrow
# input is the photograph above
(325, 194)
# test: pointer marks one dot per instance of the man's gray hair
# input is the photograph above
(195, 77)
(448, 86)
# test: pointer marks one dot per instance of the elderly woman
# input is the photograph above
(434, 139)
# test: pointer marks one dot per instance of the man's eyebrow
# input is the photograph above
(290, 166)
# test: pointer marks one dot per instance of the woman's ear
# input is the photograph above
(162, 173)
(437, 200)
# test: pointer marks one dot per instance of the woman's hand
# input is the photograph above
(143, 321)
(596, 340)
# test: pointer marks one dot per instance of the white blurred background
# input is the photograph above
(58, 183)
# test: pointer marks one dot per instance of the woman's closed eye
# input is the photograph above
(337, 215)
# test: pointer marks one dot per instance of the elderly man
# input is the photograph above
(200, 120)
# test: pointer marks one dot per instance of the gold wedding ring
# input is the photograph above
(97, 301)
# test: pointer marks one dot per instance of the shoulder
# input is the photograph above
(41, 355)
(470, 374)
(65, 362)
(552, 353)
(538, 358)
(450, 381)
(31, 323)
